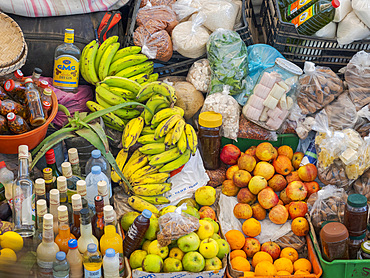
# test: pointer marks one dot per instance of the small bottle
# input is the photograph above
(75, 161)
(92, 180)
(33, 102)
(46, 107)
(47, 249)
(60, 266)
(42, 86)
(36, 76)
(92, 261)
(46, 94)
(6, 179)
(355, 215)
(54, 204)
(8, 105)
(49, 183)
(354, 245)
(66, 64)
(23, 197)
(17, 124)
(74, 259)
(111, 264)
(136, 232)
(97, 221)
(62, 187)
(76, 206)
(81, 189)
(71, 179)
(41, 209)
(3, 125)
(50, 161)
(40, 189)
(17, 75)
(16, 90)
(97, 159)
(64, 232)
(86, 232)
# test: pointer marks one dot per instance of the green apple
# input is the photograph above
(139, 269)
(136, 258)
(151, 233)
(205, 195)
(215, 236)
(224, 248)
(192, 211)
(153, 263)
(176, 253)
(205, 230)
(127, 219)
(155, 248)
(167, 210)
(146, 245)
(172, 265)
(188, 243)
(193, 262)
(214, 223)
(208, 248)
(213, 264)
(189, 202)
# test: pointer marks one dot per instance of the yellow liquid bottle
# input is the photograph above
(64, 234)
(92, 261)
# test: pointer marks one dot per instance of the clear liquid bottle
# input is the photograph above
(136, 232)
(60, 266)
(111, 264)
(23, 197)
(64, 232)
(51, 163)
(92, 180)
(81, 189)
(6, 181)
(75, 161)
(66, 64)
(71, 179)
(54, 204)
(97, 221)
(17, 124)
(97, 159)
(74, 259)
(41, 211)
(76, 206)
(33, 102)
(86, 232)
(92, 261)
(62, 187)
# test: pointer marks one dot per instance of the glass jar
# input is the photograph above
(354, 245)
(210, 139)
(355, 214)
(334, 241)
(365, 251)
(273, 95)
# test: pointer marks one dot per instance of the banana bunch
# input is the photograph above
(98, 62)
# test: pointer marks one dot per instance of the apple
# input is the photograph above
(256, 184)
(172, 265)
(312, 187)
(246, 162)
(205, 195)
(296, 160)
(296, 191)
(252, 151)
(251, 246)
(192, 211)
(258, 211)
(286, 200)
(230, 154)
(286, 150)
(189, 242)
(208, 248)
(293, 176)
(156, 249)
(223, 248)
(241, 178)
(297, 209)
(264, 169)
(267, 198)
(281, 202)
(228, 188)
(176, 253)
(277, 182)
(245, 196)
(278, 214)
(167, 209)
(213, 264)
(207, 211)
(152, 263)
(151, 233)
(307, 172)
(282, 165)
(242, 211)
(146, 245)
(230, 171)
(205, 229)
(272, 248)
(215, 236)
(136, 258)
(193, 262)
(214, 224)
(265, 151)
(275, 153)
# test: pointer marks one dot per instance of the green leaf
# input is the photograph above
(100, 132)
(64, 109)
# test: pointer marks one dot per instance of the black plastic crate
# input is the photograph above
(300, 48)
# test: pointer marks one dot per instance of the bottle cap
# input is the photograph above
(147, 213)
(357, 200)
(99, 204)
(288, 66)
(60, 256)
(50, 156)
(110, 252)
(102, 188)
(72, 244)
(365, 247)
(62, 184)
(335, 3)
(18, 74)
(38, 71)
(48, 174)
(41, 207)
(48, 221)
(40, 186)
(96, 170)
(73, 156)
(54, 197)
(91, 247)
(76, 202)
(46, 105)
(108, 213)
(67, 169)
(62, 213)
(334, 232)
(23, 151)
(9, 85)
(95, 153)
(47, 91)
(81, 187)
(44, 84)
(10, 116)
(210, 119)
(28, 80)
(2, 164)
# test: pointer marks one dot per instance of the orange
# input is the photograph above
(265, 268)
(251, 227)
(301, 272)
(241, 264)
(302, 264)
(237, 253)
(248, 274)
(261, 256)
(300, 226)
(284, 264)
(283, 272)
(289, 253)
(235, 239)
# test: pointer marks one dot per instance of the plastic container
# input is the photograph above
(97, 159)
(60, 266)
(354, 245)
(92, 261)
(92, 180)
(111, 264)
(334, 241)
(355, 215)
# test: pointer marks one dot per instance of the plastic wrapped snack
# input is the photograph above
(362, 125)
(362, 185)
(341, 113)
(200, 75)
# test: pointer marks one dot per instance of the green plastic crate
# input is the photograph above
(291, 140)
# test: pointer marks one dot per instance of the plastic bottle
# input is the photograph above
(136, 232)
(97, 159)
(17, 124)
(92, 261)
(92, 180)
(295, 8)
(33, 102)
(6, 180)
(74, 259)
(111, 264)
(60, 266)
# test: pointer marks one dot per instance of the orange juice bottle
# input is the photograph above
(64, 233)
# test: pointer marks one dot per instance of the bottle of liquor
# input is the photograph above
(66, 64)
(36, 115)
(46, 106)
(71, 179)
(64, 232)
(41, 211)
(103, 191)
(46, 95)
(97, 221)
(36, 76)
(49, 183)
(40, 189)
(54, 204)
(75, 161)
(76, 206)
(86, 232)
(50, 161)
(62, 187)
(23, 197)
(81, 189)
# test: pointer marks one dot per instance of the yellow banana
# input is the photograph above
(140, 204)
(152, 104)
(165, 114)
(192, 138)
(156, 87)
(167, 138)
(106, 59)
(147, 130)
(165, 157)
(102, 49)
(142, 77)
(126, 62)
(122, 93)
(177, 163)
(136, 164)
(146, 170)
(153, 77)
(153, 148)
(124, 83)
(135, 70)
(112, 119)
(108, 96)
(151, 189)
(178, 129)
(89, 63)
(151, 178)
(120, 160)
(126, 52)
(182, 144)
(161, 106)
(82, 62)
(165, 126)
(148, 139)
(134, 156)
(156, 200)
(134, 128)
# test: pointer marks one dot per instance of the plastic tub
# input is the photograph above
(9, 143)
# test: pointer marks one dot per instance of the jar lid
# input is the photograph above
(358, 237)
(210, 119)
(288, 66)
(334, 232)
(365, 246)
(357, 200)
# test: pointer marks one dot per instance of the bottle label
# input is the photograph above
(303, 17)
(292, 8)
(132, 232)
(66, 72)
(92, 274)
(45, 265)
(69, 36)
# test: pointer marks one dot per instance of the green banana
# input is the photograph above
(156, 200)
(108, 96)
(107, 124)
(125, 114)
(177, 163)
(178, 129)
(126, 52)
(151, 189)
(89, 63)
(152, 104)
(146, 170)
(122, 92)
(140, 78)
(126, 62)
(153, 148)
(106, 59)
(147, 130)
(161, 107)
(136, 164)
(140, 204)
(165, 114)
(135, 70)
(165, 126)
(153, 77)
(82, 62)
(157, 87)
(132, 132)
(124, 83)
(165, 157)
(182, 144)
(192, 138)
(110, 118)
(102, 49)
(151, 178)
(148, 139)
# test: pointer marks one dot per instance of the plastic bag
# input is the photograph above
(362, 125)
(329, 31)
(362, 10)
(362, 185)
(344, 9)
(249, 130)
(318, 87)
(351, 29)
(200, 75)
(185, 8)
(341, 113)
(228, 107)
(327, 204)
(303, 123)
(226, 217)
(228, 57)
(174, 225)
(143, 3)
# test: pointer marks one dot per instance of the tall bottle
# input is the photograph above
(81, 189)
(40, 189)
(97, 221)
(50, 161)
(71, 179)
(76, 206)
(111, 264)
(295, 8)
(6, 181)
(41, 211)
(49, 182)
(103, 191)
(97, 159)
(92, 180)
(86, 232)
(23, 197)
(62, 187)
(54, 204)
(47, 249)
(92, 261)
(75, 161)
(136, 232)
(66, 64)
(33, 102)
(64, 233)
(74, 259)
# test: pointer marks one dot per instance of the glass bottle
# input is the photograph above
(42, 86)
(54, 204)
(81, 189)
(8, 105)
(41, 211)
(62, 187)
(16, 90)
(46, 95)
(136, 232)
(36, 115)
(354, 245)
(3, 125)
(36, 76)
(74, 259)
(75, 161)
(97, 159)
(16, 75)
(6, 181)
(64, 232)
(356, 214)
(86, 232)
(103, 191)
(92, 261)
(47, 249)
(71, 179)
(97, 221)
(17, 124)
(23, 197)
(46, 107)
(92, 180)
(111, 264)
(40, 189)
(50, 161)
(49, 183)
(60, 266)
(30, 168)
(76, 206)
(66, 64)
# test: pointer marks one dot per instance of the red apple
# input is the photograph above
(230, 154)
(245, 196)
(284, 197)
(278, 214)
(307, 172)
(312, 187)
(251, 246)
(296, 160)
(272, 248)
(296, 190)
(267, 198)
(297, 209)
(277, 182)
